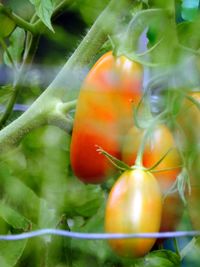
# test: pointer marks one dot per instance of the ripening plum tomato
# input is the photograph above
(104, 113)
(134, 205)
(159, 142)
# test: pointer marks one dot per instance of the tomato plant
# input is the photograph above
(160, 142)
(134, 206)
(36, 38)
(104, 113)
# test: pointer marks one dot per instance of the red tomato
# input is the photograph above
(159, 142)
(134, 205)
(104, 113)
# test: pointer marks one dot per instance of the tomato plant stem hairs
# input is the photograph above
(68, 78)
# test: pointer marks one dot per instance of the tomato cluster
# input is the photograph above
(104, 118)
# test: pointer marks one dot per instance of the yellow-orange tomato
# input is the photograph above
(134, 205)
(104, 113)
(160, 141)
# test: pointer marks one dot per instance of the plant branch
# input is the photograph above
(34, 117)
(17, 19)
(17, 85)
(47, 109)
(153, 122)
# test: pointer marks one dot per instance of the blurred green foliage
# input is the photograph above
(37, 186)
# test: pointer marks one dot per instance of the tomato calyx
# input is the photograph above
(122, 166)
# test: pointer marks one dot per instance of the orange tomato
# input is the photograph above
(104, 113)
(160, 141)
(134, 205)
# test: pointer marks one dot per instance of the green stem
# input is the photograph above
(18, 20)
(47, 108)
(36, 116)
(176, 246)
(138, 161)
(72, 74)
(138, 24)
(30, 47)
(17, 82)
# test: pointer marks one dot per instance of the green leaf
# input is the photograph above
(94, 224)
(188, 34)
(183, 183)
(191, 246)
(86, 200)
(7, 26)
(20, 196)
(5, 92)
(10, 252)
(164, 258)
(59, 249)
(14, 218)
(190, 253)
(44, 10)
(16, 47)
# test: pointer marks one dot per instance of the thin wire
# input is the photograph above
(96, 236)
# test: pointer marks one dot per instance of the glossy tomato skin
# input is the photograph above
(159, 142)
(104, 113)
(134, 205)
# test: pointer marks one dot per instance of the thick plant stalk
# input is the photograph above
(51, 106)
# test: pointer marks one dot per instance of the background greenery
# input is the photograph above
(37, 186)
